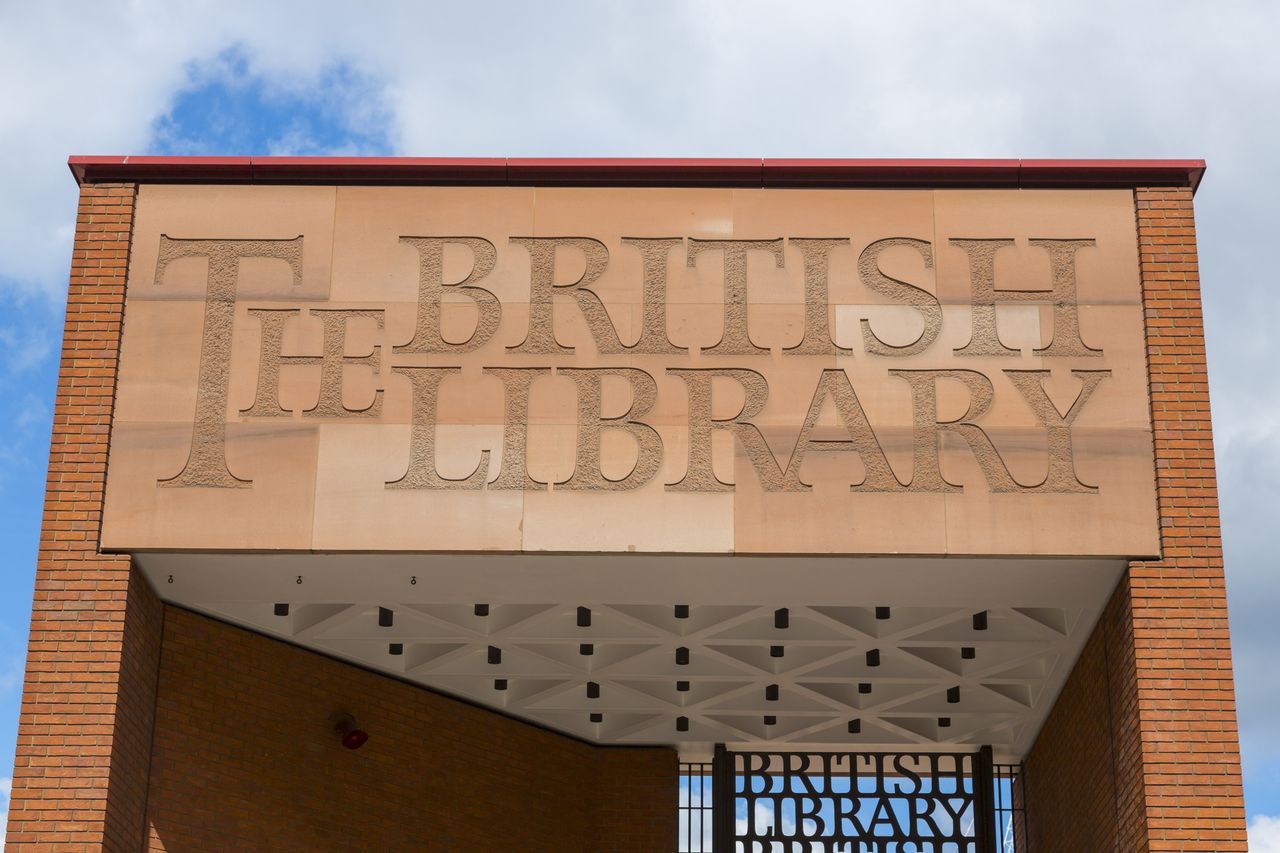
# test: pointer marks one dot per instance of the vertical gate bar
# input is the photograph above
(984, 818)
(1025, 823)
(709, 815)
(722, 800)
(697, 844)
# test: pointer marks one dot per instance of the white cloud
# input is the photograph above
(766, 821)
(1264, 834)
(94, 79)
(66, 94)
(913, 78)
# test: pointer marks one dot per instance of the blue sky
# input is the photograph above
(225, 108)
(748, 78)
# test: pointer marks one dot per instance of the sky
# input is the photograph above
(659, 78)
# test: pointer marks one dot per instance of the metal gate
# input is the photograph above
(851, 802)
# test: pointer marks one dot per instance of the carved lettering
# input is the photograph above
(735, 340)
(587, 474)
(266, 401)
(653, 330)
(1061, 476)
(207, 463)
(917, 297)
(853, 432)
(818, 338)
(541, 338)
(422, 473)
(333, 362)
(861, 438)
(516, 382)
(985, 338)
(929, 428)
(699, 475)
(427, 336)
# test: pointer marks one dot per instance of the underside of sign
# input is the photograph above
(688, 650)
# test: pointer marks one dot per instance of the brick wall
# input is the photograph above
(1079, 781)
(1163, 643)
(84, 729)
(245, 758)
(637, 800)
(1182, 649)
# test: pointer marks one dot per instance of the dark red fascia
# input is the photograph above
(619, 171)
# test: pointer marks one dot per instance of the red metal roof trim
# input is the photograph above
(633, 171)
(727, 172)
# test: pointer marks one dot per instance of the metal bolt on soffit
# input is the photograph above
(667, 172)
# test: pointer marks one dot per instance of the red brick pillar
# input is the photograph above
(84, 734)
(1140, 751)
(1190, 756)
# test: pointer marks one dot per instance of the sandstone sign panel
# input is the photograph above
(690, 370)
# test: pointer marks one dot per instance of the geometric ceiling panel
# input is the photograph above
(464, 616)
(778, 658)
(664, 618)
(864, 696)
(766, 624)
(602, 656)
(775, 654)
(877, 622)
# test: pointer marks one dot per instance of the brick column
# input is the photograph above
(84, 734)
(1140, 751)
(1190, 756)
